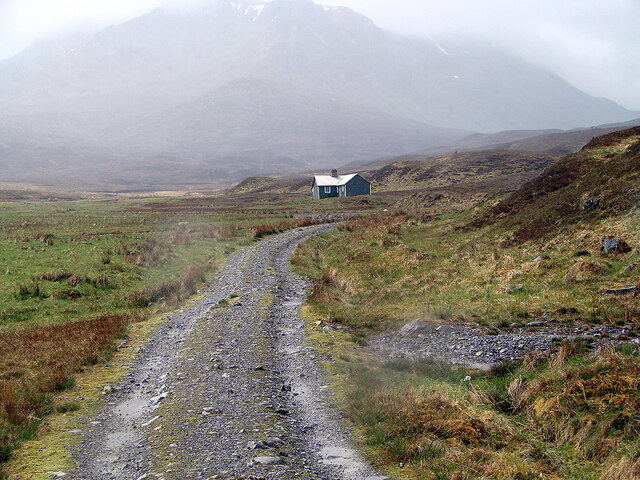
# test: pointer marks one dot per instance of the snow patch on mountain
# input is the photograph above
(439, 47)
(252, 11)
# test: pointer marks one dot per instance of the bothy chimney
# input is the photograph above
(334, 173)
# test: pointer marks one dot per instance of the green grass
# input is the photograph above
(381, 274)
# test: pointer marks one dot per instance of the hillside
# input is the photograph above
(599, 181)
(463, 178)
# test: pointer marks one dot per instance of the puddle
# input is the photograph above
(340, 457)
(132, 408)
(292, 350)
(117, 439)
(292, 304)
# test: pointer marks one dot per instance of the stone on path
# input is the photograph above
(268, 460)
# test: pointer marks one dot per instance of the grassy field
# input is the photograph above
(531, 255)
(381, 271)
(75, 274)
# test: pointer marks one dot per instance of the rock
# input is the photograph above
(592, 203)
(582, 253)
(614, 245)
(412, 327)
(444, 329)
(268, 461)
(109, 389)
(628, 268)
(273, 442)
(282, 411)
(514, 288)
(159, 398)
(537, 324)
(623, 290)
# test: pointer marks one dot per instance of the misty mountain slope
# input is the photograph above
(163, 59)
(330, 84)
(252, 114)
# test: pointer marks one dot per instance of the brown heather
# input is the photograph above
(39, 361)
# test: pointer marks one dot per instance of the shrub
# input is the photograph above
(194, 275)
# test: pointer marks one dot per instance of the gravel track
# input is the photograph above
(227, 391)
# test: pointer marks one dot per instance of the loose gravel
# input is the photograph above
(227, 388)
(472, 346)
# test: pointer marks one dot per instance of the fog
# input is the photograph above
(206, 92)
(594, 45)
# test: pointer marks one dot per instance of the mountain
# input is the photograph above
(261, 114)
(285, 80)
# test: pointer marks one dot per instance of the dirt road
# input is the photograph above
(227, 391)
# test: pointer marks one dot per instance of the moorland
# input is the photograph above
(496, 239)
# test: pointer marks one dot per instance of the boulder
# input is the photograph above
(614, 245)
(417, 326)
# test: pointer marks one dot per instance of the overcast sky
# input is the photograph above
(594, 44)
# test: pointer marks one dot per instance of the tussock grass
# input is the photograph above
(401, 268)
(263, 230)
(557, 416)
